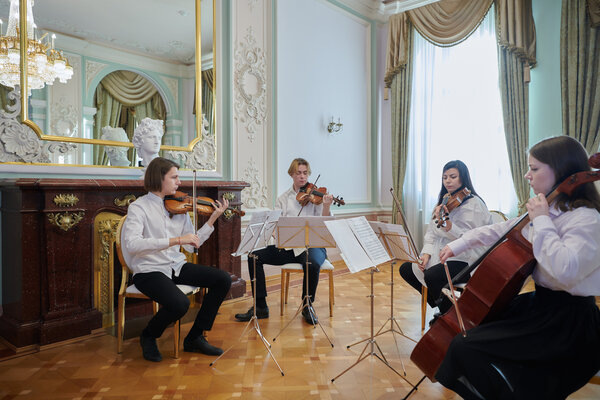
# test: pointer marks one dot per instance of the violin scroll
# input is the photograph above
(450, 201)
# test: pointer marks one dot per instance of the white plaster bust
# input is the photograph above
(147, 138)
(116, 154)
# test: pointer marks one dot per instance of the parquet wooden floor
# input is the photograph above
(91, 368)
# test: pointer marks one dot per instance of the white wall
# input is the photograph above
(323, 71)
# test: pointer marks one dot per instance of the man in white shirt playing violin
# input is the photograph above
(299, 171)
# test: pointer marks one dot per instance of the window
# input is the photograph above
(456, 114)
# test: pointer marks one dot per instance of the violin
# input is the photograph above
(500, 275)
(309, 193)
(180, 203)
(451, 201)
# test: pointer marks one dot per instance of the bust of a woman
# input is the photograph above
(116, 154)
(147, 138)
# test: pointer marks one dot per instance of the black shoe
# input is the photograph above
(261, 313)
(435, 317)
(200, 345)
(309, 315)
(149, 348)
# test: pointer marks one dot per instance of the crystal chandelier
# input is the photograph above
(44, 63)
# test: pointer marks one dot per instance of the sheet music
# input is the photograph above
(368, 240)
(397, 240)
(351, 250)
(258, 232)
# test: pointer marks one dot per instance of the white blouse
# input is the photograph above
(566, 246)
(470, 214)
(146, 232)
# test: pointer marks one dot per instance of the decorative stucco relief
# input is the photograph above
(18, 143)
(257, 194)
(92, 69)
(252, 4)
(204, 154)
(250, 84)
(65, 119)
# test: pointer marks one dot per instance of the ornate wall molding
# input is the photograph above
(65, 119)
(257, 194)
(250, 83)
(18, 143)
(173, 85)
(92, 68)
(204, 154)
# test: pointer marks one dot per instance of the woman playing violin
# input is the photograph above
(151, 247)
(546, 344)
(472, 212)
(299, 171)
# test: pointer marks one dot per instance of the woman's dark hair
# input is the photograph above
(465, 178)
(567, 156)
(155, 172)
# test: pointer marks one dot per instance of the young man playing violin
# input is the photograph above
(151, 240)
(299, 171)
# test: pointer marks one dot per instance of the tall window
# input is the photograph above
(456, 114)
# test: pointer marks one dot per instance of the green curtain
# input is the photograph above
(208, 106)
(400, 97)
(579, 69)
(108, 113)
(515, 30)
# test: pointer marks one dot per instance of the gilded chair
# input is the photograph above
(127, 290)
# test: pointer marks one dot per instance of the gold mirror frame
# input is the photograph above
(198, 89)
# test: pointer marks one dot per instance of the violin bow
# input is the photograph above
(194, 208)
(302, 208)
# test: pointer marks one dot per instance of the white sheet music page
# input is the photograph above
(351, 250)
(368, 240)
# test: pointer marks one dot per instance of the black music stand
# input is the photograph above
(304, 232)
(361, 250)
(256, 237)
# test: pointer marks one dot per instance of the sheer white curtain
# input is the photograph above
(456, 114)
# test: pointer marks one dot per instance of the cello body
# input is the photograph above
(498, 279)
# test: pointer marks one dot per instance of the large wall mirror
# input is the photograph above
(99, 73)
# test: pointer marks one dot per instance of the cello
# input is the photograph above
(502, 271)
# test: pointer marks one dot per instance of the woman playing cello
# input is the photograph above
(546, 344)
(471, 213)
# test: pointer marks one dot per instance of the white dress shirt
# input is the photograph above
(470, 214)
(566, 246)
(146, 232)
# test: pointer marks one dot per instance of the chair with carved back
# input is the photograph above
(128, 290)
(497, 216)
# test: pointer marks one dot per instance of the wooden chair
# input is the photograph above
(130, 291)
(287, 269)
(497, 216)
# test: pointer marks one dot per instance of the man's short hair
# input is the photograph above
(155, 173)
(296, 163)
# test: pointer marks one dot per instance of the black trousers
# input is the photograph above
(435, 279)
(275, 256)
(174, 304)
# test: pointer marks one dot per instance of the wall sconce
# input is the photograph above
(334, 127)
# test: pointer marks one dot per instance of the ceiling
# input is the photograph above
(161, 29)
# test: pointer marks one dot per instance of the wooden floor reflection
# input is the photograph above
(91, 368)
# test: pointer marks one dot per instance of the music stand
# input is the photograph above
(256, 237)
(362, 249)
(304, 232)
(395, 241)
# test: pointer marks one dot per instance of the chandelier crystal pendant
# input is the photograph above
(45, 64)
